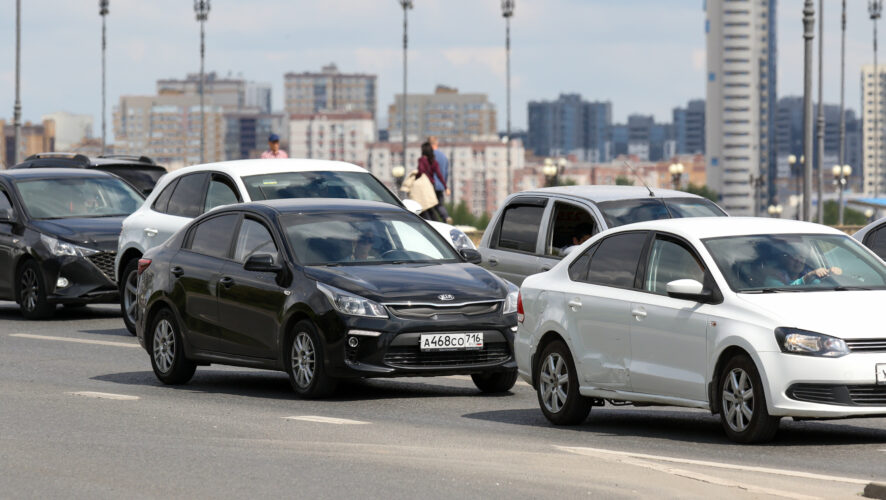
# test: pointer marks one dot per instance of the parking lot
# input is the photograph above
(82, 415)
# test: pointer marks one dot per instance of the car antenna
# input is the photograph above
(628, 164)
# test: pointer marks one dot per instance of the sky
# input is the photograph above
(645, 56)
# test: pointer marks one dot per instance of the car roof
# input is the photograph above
(598, 193)
(715, 227)
(240, 168)
(861, 233)
(52, 173)
(300, 205)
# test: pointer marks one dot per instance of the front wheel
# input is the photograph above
(743, 412)
(307, 373)
(492, 383)
(167, 352)
(128, 298)
(557, 387)
(32, 292)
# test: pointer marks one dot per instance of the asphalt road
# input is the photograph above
(235, 432)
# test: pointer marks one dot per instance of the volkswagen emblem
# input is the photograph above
(445, 296)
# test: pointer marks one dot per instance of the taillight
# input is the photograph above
(143, 265)
(520, 307)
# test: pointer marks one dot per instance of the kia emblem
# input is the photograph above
(445, 296)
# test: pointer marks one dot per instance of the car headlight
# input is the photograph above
(348, 303)
(795, 341)
(61, 248)
(460, 239)
(511, 300)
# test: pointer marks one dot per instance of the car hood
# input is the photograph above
(100, 233)
(414, 282)
(848, 315)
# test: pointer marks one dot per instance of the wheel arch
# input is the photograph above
(19, 264)
(128, 254)
(549, 337)
(727, 353)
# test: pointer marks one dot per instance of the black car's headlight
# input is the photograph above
(795, 341)
(348, 303)
(511, 300)
(61, 248)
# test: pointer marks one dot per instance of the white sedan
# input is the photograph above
(754, 319)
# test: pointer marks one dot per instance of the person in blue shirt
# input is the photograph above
(440, 184)
(791, 269)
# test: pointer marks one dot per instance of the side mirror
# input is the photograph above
(262, 263)
(688, 290)
(412, 205)
(471, 255)
(7, 215)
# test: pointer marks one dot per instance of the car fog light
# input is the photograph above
(365, 333)
(353, 341)
(62, 282)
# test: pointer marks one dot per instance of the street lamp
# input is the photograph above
(399, 171)
(756, 182)
(551, 169)
(17, 107)
(875, 7)
(406, 4)
(103, 11)
(841, 176)
(507, 11)
(775, 210)
(201, 8)
(820, 132)
(676, 170)
(808, 36)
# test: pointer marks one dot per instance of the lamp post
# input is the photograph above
(399, 171)
(756, 182)
(808, 36)
(103, 11)
(201, 8)
(842, 158)
(676, 171)
(775, 210)
(841, 177)
(507, 11)
(406, 4)
(17, 107)
(552, 170)
(820, 131)
(875, 7)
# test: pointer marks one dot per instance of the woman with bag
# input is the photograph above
(428, 167)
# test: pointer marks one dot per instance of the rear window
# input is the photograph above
(285, 185)
(143, 178)
(621, 212)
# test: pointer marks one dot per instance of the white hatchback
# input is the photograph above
(754, 319)
(184, 194)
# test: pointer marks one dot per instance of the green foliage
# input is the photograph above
(462, 216)
(850, 217)
(703, 191)
(622, 180)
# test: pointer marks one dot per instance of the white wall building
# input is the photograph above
(341, 136)
(70, 129)
(873, 164)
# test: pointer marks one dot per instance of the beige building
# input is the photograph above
(340, 136)
(166, 127)
(70, 129)
(329, 90)
(35, 139)
(232, 94)
(451, 116)
(873, 162)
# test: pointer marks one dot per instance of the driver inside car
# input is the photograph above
(787, 268)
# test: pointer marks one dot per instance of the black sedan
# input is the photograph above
(58, 236)
(323, 289)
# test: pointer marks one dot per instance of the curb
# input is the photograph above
(875, 490)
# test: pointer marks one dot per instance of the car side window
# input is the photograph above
(570, 226)
(520, 225)
(187, 199)
(615, 261)
(578, 270)
(219, 193)
(213, 236)
(876, 241)
(4, 201)
(254, 238)
(162, 201)
(670, 261)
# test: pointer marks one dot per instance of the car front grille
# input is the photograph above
(104, 261)
(412, 357)
(844, 395)
(866, 345)
(425, 311)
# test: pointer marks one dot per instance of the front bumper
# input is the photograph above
(88, 279)
(814, 387)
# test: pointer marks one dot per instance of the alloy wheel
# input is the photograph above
(738, 400)
(130, 291)
(29, 289)
(164, 345)
(554, 382)
(303, 359)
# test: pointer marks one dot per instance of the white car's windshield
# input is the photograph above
(795, 262)
(70, 197)
(318, 184)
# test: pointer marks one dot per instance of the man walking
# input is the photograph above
(443, 163)
(274, 151)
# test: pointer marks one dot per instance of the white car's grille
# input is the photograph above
(866, 345)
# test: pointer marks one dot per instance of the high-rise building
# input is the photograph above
(329, 90)
(70, 129)
(341, 136)
(689, 128)
(35, 138)
(740, 104)
(872, 146)
(232, 94)
(450, 116)
(570, 126)
(247, 132)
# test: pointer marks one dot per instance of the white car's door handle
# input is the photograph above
(639, 313)
(574, 304)
(150, 232)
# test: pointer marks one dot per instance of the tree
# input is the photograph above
(621, 180)
(703, 191)
(462, 216)
(850, 217)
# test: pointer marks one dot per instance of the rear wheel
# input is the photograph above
(495, 382)
(307, 373)
(32, 292)
(167, 352)
(557, 387)
(128, 288)
(743, 412)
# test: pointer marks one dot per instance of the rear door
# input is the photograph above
(513, 248)
(9, 241)
(172, 211)
(568, 225)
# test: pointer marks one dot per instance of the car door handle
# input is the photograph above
(574, 304)
(226, 282)
(151, 232)
(177, 271)
(492, 261)
(638, 313)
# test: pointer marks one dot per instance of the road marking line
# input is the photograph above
(325, 420)
(716, 465)
(105, 395)
(68, 339)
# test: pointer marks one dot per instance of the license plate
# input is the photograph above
(451, 341)
(881, 373)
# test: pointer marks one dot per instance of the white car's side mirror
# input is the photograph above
(413, 206)
(689, 289)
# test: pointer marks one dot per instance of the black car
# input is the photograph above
(323, 289)
(140, 171)
(58, 236)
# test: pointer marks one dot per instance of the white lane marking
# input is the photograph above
(68, 339)
(716, 465)
(105, 395)
(325, 420)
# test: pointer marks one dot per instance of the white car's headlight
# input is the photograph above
(511, 300)
(795, 341)
(348, 303)
(460, 239)
(61, 248)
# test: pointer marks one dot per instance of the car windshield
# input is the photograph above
(353, 185)
(68, 197)
(364, 238)
(621, 212)
(796, 263)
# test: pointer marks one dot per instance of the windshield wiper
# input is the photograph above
(843, 288)
(772, 290)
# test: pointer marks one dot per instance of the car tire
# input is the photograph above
(127, 286)
(492, 383)
(560, 405)
(166, 348)
(304, 357)
(32, 292)
(743, 411)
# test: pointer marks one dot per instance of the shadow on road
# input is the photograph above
(11, 311)
(694, 427)
(115, 332)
